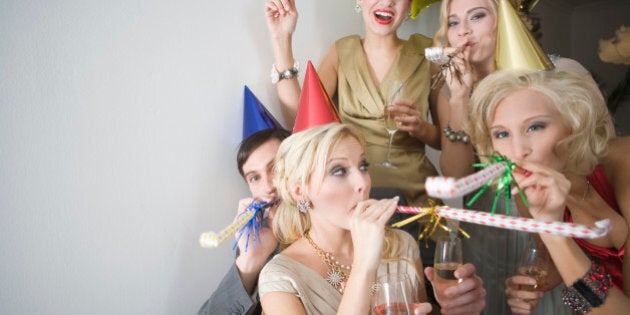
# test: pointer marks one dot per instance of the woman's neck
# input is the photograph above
(482, 70)
(334, 240)
(375, 42)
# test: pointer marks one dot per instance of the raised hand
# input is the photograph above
(256, 255)
(367, 227)
(546, 190)
(281, 17)
(460, 79)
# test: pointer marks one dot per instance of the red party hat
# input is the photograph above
(315, 106)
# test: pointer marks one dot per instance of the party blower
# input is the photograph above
(499, 171)
(248, 222)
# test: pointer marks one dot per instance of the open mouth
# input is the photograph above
(384, 16)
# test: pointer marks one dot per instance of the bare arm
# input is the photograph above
(281, 21)
(457, 157)
(547, 193)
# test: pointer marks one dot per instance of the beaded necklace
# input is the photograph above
(336, 276)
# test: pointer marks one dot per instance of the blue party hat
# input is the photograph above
(255, 116)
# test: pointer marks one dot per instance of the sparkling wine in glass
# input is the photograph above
(391, 125)
(396, 295)
(448, 257)
(534, 264)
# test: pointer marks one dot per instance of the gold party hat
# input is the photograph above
(516, 47)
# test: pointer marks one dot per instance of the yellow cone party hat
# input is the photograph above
(516, 48)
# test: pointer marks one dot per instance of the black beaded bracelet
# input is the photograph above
(589, 291)
(453, 136)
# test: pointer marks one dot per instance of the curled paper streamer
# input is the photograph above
(449, 187)
(566, 229)
(248, 221)
(431, 219)
(500, 168)
(437, 56)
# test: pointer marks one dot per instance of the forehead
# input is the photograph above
(522, 104)
(462, 6)
(261, 156)
(347, 147)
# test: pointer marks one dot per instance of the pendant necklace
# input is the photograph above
(337, 273)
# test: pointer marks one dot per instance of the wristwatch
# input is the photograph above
(286, 74)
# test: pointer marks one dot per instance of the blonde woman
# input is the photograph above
(361, 73)
(548, 124)
(471, 25)
(334, 238)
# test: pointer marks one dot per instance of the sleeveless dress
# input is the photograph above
(361, 103)
(283, 274)
(496, 252)
(610, 258)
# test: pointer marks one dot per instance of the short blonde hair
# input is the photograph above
(299, 156)
(440, 36)
(577, 102)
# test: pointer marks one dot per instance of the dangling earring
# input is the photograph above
(408, 17)
(358, 8)
(303, 205)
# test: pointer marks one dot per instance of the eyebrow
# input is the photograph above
(469, 11)
(526, 121)
(256, 172)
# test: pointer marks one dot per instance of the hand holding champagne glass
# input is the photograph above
(396, 295)
(448, 257)
(391, 125)
(534, 264)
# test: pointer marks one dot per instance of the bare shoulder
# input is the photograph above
(618, 150)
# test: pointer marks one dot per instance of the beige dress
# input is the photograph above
(361, 103)
(284, 274)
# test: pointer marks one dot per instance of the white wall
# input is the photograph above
(119, 122)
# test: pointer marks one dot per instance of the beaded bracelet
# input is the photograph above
(459, 135)
(589, 291)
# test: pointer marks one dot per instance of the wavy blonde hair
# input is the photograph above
(581, 110)
(299, 156)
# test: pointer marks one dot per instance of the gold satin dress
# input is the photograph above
(361, 104)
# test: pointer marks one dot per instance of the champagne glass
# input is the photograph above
(534, 264)
(396, 295)
(391, 125)
(448, 257)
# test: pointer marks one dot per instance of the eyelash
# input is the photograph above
(474, 17)
(533, 127)
(500, 134)
(340, 170)
(538, 126)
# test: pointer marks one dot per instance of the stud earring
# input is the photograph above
(358, 8)
(303, 206)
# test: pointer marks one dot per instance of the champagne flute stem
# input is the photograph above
(389, 144)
